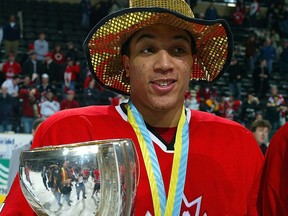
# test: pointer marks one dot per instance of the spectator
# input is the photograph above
(11, 36)
(276, 112)
(91, 95)
(71, 72)
(30, 96)
(50, 105)
(211, 12)
(191, 101)
(52, 69)
(230, 108)
(12, 85)
(212, 105)
(72, 52)
(236, 73)
(44, 85)
(69, 102)
(260, 130)
(7, 103)
(58, 55)
(41, 47)
(33, 68)
(253, 13)
(86, 12)
(106, 96)
(268, 52)
(251, 105)
(271, 15)
(203, 94)
(251, 52)
(283, 61)
(237, 17)
(11, 67)
(261, 78)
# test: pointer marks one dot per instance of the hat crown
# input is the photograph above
(179, 6)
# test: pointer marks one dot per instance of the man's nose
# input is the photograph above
(163, 61)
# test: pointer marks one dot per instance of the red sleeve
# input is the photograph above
(273, 197)
(23, 92)
(15, 203)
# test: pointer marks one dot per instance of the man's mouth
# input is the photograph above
(163, 83)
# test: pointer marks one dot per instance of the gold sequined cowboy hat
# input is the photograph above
(213, 38)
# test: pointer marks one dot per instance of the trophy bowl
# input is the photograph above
(88, 178)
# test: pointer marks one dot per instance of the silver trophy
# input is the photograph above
(88, 178)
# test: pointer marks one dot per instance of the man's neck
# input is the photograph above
(161, 118)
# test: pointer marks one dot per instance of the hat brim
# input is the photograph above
(213, 38)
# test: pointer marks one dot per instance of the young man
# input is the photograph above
(205, 164)
(260, 129)
(273, 196)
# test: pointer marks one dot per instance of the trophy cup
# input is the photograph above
(88, 178)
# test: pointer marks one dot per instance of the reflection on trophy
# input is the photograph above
(89, 178)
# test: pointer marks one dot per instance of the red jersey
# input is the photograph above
(71, 72)
(11, 68)
(223, 170)
(67, 104)
(273, 196)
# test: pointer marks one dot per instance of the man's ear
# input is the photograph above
(125, 60)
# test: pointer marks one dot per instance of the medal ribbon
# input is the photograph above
(172, 205)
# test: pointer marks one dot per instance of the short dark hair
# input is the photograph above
(260, 123)
(37, 122)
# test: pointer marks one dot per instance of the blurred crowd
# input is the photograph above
(51, 78)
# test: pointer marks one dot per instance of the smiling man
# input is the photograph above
(201, 164)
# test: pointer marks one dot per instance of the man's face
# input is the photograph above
(159, 67)
(261, 134)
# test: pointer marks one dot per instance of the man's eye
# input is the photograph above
(148, 50)
(179, 50)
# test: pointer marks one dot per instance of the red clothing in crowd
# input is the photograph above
(28, 102)
(71, 72)
(67, 104)
(58, 57)
(11, 68)
(273, 198)
(226, 185)
(237, 18)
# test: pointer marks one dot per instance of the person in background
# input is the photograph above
(202, 163)
(273, 191)
(80, 186)
(11, 67)
(91, 94)
(86, 7)
(7, 103)
(211, 12)
(52, 69)
(71, 73)
(44, 85)
(41, 47)
(29, 96)
(260, 130)
(50, 106)
(250, 106)
(236, 74)
(11, 36)
(33, 68)
(71, 52)
(261, 78)
(69, 102)
(12, 86)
